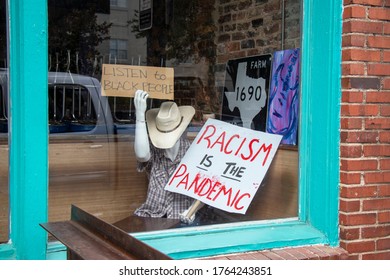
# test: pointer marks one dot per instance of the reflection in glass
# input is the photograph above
(96, 168)
(4, 188)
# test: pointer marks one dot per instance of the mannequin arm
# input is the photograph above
(141, 142)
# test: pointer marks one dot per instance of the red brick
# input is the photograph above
(386, 83)
(349, 205)
(309, 254)
(379, 13)
(378, 97)
(386, 28)
(386, 56)
(359, 110)
(384, 136)
(353, 69)
(376, 150)
(362, 26)
(377, 123)
(353, 257)
(351, 123)
(361, 55)
(383, 244)
(377, 256)
(295, 253)
(384, 217)
(354, 12)
(359, 192)
(377, 69)
(284, 255)
(317, 251)
(378, 42)
(384, 164)
(359, 137)
(360, 246)
(383, 190)
(335, 253)
(351, 151)
(364, 2)
(350, 178)
(360, 83)
(349, 233)
(358, 165)
(377, 231)
(272, 255)
(357, 219)
(257, 256)
(353, 96)
(354, 40)
(385, 111)
(376, 204)
(377, 177)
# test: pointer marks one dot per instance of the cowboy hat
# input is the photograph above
(167, 123)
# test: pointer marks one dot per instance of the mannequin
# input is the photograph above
(159, 146)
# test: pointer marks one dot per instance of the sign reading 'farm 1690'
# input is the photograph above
(225, 165)
(125, 80)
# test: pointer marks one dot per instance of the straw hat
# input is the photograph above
(167, 123)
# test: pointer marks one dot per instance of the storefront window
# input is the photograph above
(92, 162)
(4, 189)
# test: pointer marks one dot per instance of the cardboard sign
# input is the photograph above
(225, 165)
(125, 80)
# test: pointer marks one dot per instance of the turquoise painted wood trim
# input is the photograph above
(235, 238)
(7, 252)
(28, 127)
(320, 116)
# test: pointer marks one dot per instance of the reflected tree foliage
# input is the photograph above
(74, 34)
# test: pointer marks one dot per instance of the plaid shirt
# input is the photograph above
(159, 202)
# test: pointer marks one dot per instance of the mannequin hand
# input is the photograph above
(140, 98)
(188, 216)
(185, 219)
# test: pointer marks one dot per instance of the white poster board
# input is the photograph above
(225, 165)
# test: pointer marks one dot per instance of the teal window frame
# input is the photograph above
(317, 220)
(28, 137)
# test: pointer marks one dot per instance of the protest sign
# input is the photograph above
(125, 80)
(225, 165)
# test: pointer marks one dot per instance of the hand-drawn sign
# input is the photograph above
(225, 165)
(125, 80)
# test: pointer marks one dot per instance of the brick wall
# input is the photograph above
(253, 27)
(365, 130)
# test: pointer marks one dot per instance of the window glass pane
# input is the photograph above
(4, 188)
(118, 3)
(207, 43)
(118, 50)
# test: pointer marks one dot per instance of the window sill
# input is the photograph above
(239, 238)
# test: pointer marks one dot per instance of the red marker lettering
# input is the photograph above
(179, 172)
(207, 138)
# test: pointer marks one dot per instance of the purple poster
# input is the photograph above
(284, 96)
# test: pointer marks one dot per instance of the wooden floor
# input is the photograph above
(100, 177)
